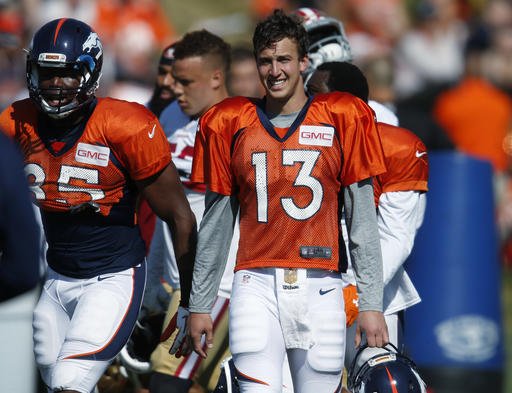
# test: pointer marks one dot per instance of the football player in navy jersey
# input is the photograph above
(87, 160)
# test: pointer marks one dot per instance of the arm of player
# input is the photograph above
(400, 215)
(166, 197)
(156, 298)
(214, 239)
(366, 257)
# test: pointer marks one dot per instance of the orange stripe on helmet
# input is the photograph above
(391, 382)
(59, 25)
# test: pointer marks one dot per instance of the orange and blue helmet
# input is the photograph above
(384, 370)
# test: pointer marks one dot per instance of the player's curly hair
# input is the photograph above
(278, 26)
(203, 43)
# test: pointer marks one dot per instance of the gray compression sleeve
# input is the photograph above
(364, 244)
(213, 242)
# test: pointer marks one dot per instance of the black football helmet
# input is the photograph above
(70, 44)
(327, 39)
(388, 371)
(136, 354)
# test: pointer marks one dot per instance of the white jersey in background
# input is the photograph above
(161, 259)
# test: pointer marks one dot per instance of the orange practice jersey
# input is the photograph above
(406, 162)
(289, 187)
(99, 165)
(84, 181)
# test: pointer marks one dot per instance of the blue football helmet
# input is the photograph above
(388, 371)
(69, 44)
(228, 382)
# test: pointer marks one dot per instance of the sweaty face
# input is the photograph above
(193, 85)
(280, 70)
(318, 82)
(58, 85)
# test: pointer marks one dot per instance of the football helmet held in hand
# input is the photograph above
(384, 370)
(67, 47)
(228, 382)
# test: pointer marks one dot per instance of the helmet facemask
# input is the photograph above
(71, 99)
(64, 48)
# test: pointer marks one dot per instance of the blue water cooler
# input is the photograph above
(455, 335)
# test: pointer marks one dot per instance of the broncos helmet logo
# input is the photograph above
(93, 42)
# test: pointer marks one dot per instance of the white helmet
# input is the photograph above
(327, 38)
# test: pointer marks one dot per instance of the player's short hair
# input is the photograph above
(345, 76)
(277, 27)
(202, 43)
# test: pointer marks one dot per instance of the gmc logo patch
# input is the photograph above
(91, 154)
(316, 135)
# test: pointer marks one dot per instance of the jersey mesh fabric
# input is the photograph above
(86, 191)
(288, 187)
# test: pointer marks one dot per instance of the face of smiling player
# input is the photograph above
(280, 69)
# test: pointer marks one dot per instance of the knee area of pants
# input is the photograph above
(65, 377)
(77, 375)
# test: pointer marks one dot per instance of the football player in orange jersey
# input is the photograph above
(87, 160)
(400, 196)
(287, 161)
